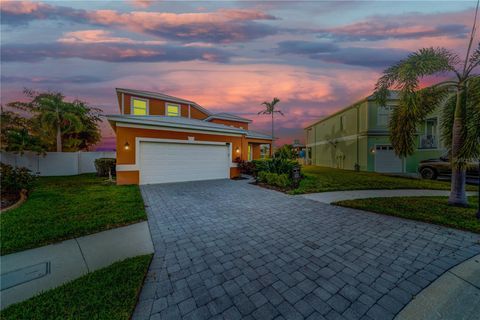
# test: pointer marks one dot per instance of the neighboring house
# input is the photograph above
(359, 135)
(162, 139)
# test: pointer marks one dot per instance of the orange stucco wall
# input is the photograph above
(237, 124)
(128, 135)
(157, 107)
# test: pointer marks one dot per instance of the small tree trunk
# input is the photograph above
(458, 196)
(59, 138)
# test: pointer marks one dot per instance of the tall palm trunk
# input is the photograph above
(59, 138)
(59, 131)
(458, 196)
(273, 139)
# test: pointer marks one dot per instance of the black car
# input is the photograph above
(433, 168)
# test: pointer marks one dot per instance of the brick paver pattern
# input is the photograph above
(231, 250)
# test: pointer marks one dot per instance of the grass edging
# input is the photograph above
(433, 210)
(61, 208)
(107, 293)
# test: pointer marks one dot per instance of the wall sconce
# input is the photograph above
(237, 150)
(126, 146)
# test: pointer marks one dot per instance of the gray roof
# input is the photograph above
(392, 95)
(184, 123)
(175, 122)
(228, 116)
(257, 135)
(149, 94)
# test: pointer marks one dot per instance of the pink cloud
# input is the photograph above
(142, 3)
(101, 36)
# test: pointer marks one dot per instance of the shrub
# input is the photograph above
(246, 167)
(276, 165)
(275, 179)
(13, 180)
(104, 165)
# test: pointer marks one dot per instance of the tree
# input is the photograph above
(459, 99)
(270, 109)
(16, 136)
(59, 124)
(286, 152)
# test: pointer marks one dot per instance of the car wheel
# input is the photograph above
(428, 173)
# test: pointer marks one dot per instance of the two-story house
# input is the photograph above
(163, 139)
(358, 136)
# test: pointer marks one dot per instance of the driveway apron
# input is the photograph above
(229, 249)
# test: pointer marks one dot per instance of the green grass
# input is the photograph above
(322, 179)
(61, 208)
(109, 293)
(427, 209)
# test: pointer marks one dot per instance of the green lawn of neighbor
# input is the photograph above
(322, 179)
(60, 208)
(109, 293)
(427, 209)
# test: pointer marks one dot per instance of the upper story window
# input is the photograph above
(383, 115)
(173, 110)
(139, 107)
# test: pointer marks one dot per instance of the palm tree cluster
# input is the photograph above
(54, 124)
(458, 98)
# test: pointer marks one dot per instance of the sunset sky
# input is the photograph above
(228, 56)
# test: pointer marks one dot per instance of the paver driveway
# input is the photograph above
(228, 249)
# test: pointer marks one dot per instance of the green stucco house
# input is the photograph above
(358, 134)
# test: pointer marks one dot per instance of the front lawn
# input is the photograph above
(61, 208)
(322, 179)
(427, 209)
(109, 293)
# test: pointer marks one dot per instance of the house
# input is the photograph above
(357, 137)
(163, 139)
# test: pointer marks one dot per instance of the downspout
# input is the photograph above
(357, 164)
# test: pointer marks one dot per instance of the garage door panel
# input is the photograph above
(174, 162)
(386, 160)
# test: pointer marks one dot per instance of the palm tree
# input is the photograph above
(459, 99)
(270, 109)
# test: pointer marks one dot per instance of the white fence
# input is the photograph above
(56, 163)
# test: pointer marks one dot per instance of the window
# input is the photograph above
(383, 115)
(173, 110)
(139, 107)
(249, 152)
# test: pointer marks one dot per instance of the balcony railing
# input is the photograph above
(428, 142)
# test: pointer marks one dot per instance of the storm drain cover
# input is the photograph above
(26, 274)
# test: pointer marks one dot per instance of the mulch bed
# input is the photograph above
(8, 199)
(267, 186)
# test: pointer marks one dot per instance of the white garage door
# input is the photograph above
(177, 162)
(386, 160)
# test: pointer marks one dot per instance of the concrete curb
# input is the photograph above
(330, 197)
(70, 259)
(454, 295)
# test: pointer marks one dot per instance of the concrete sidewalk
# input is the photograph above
(455, 295)
(27, 273)
(330, 197)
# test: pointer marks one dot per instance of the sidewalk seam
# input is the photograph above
(83, 257)
(465, 280)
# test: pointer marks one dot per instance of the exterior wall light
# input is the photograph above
(237, 150)
(372, 150)
(126, 146)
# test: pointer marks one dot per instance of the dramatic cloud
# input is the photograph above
(110, 52)
(101, 36)
(305, 47)
(142, 3)
(53, 80)
(356, 56)
(221, 26)
(405, 26)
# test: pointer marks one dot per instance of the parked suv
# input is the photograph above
(432, 168)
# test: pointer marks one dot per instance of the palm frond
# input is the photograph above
(406, 74)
